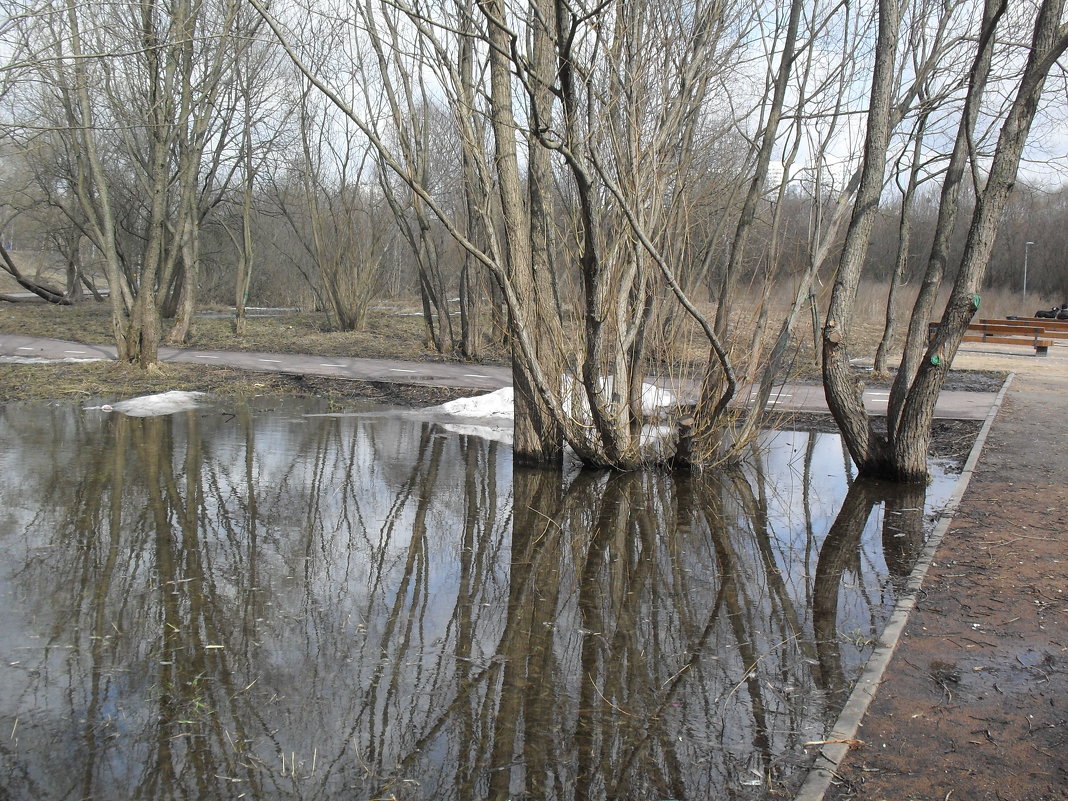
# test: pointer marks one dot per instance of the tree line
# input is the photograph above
(602, 185)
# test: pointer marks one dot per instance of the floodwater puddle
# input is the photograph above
(252, 602)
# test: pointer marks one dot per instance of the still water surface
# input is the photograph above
(257, 603)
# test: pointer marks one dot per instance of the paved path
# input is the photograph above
(952, 405)
(792, 397)
(436, 374)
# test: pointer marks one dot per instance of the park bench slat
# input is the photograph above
(1041, 346)
(1032, 336)
(1048, 332)
(1045, 322)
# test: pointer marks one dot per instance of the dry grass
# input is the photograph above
(869, 316)
(85, 381)
(396, 330)
(392, 332)
(388, 335)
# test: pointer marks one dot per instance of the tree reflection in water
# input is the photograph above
(270, 606)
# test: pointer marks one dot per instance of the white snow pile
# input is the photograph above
(155, 405)
(497, 410)
(499, 405)
(494, 413)
(41, 360)
(653, 398)
(496, 405)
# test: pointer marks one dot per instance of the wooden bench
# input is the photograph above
(1000, 334)
(1044, 322)
(1058, 331)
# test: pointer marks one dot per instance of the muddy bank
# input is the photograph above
(73, 381)
(974, 704)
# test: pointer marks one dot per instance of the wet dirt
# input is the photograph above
(974, 706)
(950, 439)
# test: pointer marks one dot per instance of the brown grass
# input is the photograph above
(388, 335)
(85, 381)
(392, 332)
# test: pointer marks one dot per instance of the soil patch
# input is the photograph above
(950, 439)
(85, 380)
(974, 706)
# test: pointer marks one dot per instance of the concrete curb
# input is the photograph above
(822, 772)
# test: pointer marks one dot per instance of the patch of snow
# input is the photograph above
(657, 435)
(654, 397)
(155, 405)
(500, 404)
(576, 403)
(497, 409)
(493, 405)
(40, 360)
(494, 411)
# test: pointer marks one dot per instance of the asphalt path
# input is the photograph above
(394, 371)
(790, 397)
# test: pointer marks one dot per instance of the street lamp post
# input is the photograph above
(1027, 247)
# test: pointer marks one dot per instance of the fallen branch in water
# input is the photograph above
(850, 741)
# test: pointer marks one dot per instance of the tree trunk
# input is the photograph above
(244, 265)
(50, 294)
(948, 209)
(183, 322)
(904, 239)
(841, 386)
(537, 437)
(910, 439)
(768, 139)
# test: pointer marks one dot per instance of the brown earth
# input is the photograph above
(974, 706)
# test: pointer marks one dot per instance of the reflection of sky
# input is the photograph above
(345, 592)
(785, 454)
(801, 512)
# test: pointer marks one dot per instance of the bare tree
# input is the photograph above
(902, 452)
(336, 210)
(596, 115)
(127, 97)
(915, 174)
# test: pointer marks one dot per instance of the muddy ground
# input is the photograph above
(974, 706)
